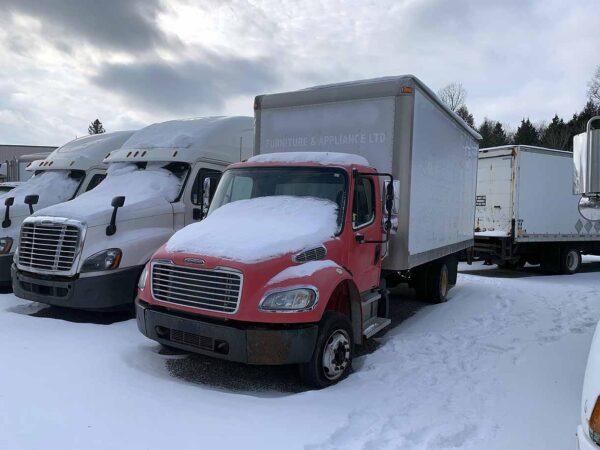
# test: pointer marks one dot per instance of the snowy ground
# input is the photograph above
(500, 366)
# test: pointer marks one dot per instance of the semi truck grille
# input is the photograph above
(48, 247)
(209, 289)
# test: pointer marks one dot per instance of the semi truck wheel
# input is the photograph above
(570, 261)
(438, 282)
(332, 358)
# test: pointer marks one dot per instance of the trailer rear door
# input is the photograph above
(494, 201)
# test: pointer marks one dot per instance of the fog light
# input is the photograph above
(594, 423)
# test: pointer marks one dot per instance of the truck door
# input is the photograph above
(195, 213)
(364, 260)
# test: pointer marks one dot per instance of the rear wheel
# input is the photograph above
(438, 282)
(570, 261)
(332, 357)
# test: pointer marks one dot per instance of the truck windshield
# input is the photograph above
(244, 183)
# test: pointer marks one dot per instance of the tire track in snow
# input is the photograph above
(428, 389)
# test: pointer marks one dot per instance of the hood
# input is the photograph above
(147, 192)
(259, 229)
(52, 187)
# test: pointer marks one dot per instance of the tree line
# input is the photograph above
(558, 133)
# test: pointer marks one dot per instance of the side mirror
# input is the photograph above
(207, 188)
(116, 203)
(8, 202)
(31, 200)
(586, 180)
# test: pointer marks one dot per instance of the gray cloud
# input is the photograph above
(188, 86)
(116, 24)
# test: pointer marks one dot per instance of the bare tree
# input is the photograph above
(453, 95)
(594, 87)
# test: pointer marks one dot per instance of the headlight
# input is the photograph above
(143, 278)
(594, 423)
(292, 300)
(5, 244)
(104, 260)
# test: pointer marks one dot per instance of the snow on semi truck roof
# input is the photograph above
(325, 158)
(223, 138)
(259, 228)
(82, 153)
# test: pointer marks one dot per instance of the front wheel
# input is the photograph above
(332, 357)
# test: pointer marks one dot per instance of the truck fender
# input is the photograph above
(345, 299)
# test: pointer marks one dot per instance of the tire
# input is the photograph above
(438, 282)
(332, 358)
(570, 261)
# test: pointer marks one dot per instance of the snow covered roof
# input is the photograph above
(82, 153)
(259, 228)
(227, 139)
(325, 158)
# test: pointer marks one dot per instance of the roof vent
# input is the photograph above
(314, 254)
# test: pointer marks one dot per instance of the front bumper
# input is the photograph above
(110, 290)
(233, 341)
(5, 264)
(583, 440)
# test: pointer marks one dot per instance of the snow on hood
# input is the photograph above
(259, 228)
(303, 270)
(326, 158)
(141, 187)
(52, 187)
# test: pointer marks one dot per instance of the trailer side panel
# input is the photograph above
(547, 209)
(443, 182)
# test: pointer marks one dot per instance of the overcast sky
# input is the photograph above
(130, 63)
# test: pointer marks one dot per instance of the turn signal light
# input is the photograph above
(594, 423)
(407, 90)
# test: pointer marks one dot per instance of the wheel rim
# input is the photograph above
(572, 260)
(444, 282)
(336, 355)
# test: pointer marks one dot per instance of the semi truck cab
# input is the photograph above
(286, 269)
(67, 172)
(88, 253)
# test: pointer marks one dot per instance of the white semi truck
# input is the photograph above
(88, 253)
(527, 212)
(68, 171)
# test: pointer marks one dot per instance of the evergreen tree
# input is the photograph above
(96, 127)
(465, 115)
(492, 134)
(526, 134)
(579, 121)
(556, 134)
(499, 135)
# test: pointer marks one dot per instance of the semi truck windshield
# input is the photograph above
(242, 184)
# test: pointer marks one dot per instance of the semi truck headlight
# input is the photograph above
(143, 278)
(104, 260)
(5, 245)
(594, 423)
(291, 300)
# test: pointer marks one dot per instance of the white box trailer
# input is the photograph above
(527, 212)
(400, 126)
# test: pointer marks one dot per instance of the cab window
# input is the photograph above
(198, 187)
(95, 181)
(363, 205)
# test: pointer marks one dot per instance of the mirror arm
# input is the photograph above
(8, 202)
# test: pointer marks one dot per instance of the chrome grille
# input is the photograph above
(209, 289)
(47, 246)
(314, 254)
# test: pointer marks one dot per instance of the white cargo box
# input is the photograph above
(527, 193)
(400, 127)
